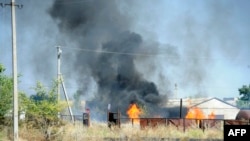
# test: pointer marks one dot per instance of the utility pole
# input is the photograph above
(59, 52)
(14, 67)
(60, 81)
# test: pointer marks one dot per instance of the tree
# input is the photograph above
(6, 98)
(42, 109)
(244, 100)
(245, 92)
(6, 86)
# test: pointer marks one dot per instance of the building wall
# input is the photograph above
(219, 108)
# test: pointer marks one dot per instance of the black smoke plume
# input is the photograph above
(98, 25)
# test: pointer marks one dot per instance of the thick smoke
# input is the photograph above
(206, 46)
(98, 25)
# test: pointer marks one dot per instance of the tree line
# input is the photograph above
(41, 109)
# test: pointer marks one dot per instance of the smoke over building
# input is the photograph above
(109, 49)
(98, 25)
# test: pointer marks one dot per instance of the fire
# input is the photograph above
(134, 112)
(211, 115)
(197, 113)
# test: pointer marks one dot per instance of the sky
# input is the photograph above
(203, 47)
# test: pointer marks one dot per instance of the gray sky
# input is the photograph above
(202, 46)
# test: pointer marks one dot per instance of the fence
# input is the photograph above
(179, 123)
(115, 119)
(85, 118)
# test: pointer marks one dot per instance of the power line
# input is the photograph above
(113, 52)
(132, 54)
(139, 54)
(71, 1)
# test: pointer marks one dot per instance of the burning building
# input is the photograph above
(212, 108)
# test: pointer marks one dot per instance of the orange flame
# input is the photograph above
(197, 113)
(211, 115)
(134, 112)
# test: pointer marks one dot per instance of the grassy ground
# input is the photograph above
(3, 134)
(99, 131)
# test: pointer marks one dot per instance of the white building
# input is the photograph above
(219, 108)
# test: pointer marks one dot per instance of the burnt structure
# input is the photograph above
(114, 119)
(86, 119)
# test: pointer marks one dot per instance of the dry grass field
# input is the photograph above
(100, 132)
